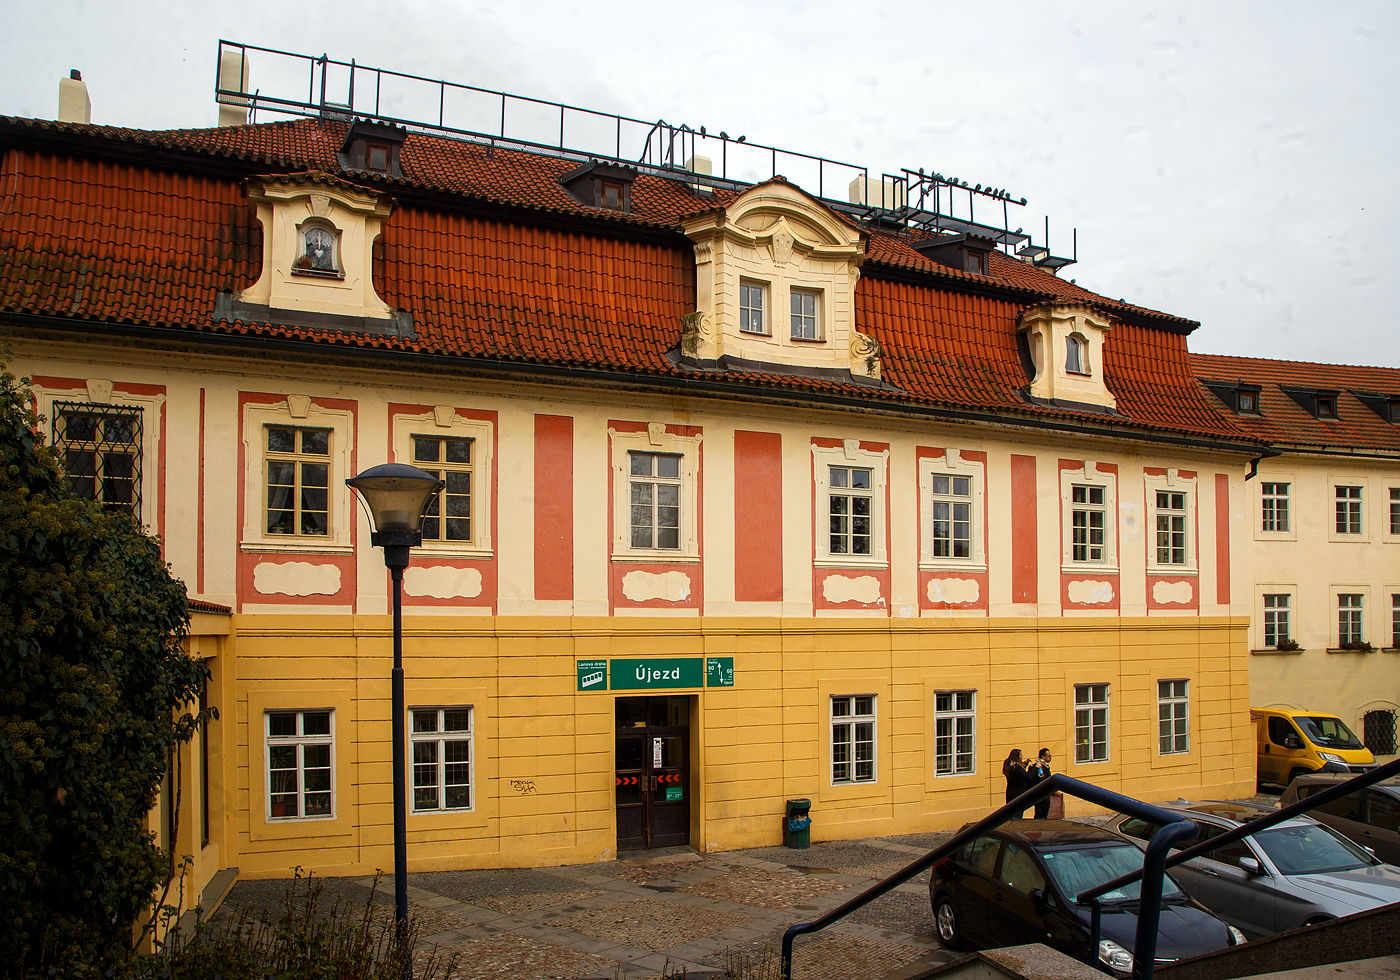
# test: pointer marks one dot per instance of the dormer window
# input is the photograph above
(1326, 406)
(1248, 403)
(1319, 403)
(377, 157)
(1076, 354)
(967, 253)
(1386, 406)
(805, 304)
(317, 255)
(601, 185)
(752, 300)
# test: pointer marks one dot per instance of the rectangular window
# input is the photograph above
(655, 500)
(1171, 528)
(751, 304)
(1395, 510)
(850, 503)
(100, 446)
(1348, 618)
(952, 516)
(804, 315)
(1276, 626)
(299, 758)
(1348, 510)
(1395, 620)
(1173, 734)
(1090, 722)
(1087, 513)
(1275, 506)
(298, 481)
(955, 722)
(449, 514)
(442, 759)
(853, 739)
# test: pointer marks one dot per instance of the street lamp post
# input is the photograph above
(395, 495)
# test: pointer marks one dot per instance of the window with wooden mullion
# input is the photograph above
(654, 497)
(298, 481)
(449, 513)
(851, 507)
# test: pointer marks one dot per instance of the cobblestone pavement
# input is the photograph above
(668, 911)
(662, 912)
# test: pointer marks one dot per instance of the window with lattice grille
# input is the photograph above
(100, 447)
(1378, 731)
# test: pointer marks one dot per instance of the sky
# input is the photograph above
(1230, 163)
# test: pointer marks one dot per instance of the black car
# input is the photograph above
(1018, 884)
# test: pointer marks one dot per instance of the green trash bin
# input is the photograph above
(797, 825)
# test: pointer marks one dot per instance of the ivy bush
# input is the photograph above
(93, 685)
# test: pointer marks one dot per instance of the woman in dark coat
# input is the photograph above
(1016, 780)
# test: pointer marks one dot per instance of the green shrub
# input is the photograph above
(92, 686)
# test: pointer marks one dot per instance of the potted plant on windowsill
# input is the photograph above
(1357, 646)
(279, 809)
(1287, 646)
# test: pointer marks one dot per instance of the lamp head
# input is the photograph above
(395, 495)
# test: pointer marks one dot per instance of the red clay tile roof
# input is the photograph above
(109, 238)
(199, 605)
(1283, 421)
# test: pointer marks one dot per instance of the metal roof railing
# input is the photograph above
(295, 84)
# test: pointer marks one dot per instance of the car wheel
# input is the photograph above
(1298, 772)
(945, 917)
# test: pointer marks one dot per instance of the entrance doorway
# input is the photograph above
(653, 772)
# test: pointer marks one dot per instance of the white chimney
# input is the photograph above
(73, 102)
(878, 193)
(233, 77)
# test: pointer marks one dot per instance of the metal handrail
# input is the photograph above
(1376, 775)
(1154, 864)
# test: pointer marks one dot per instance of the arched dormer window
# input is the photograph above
(317, 250)
(1076, 354)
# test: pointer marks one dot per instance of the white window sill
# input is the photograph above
(952, 565)
(274, 821)
(447, 551)
(446, 812)
(1088, 568)
(656, 558)
(301, 546)
(849, 563)
(1182, 570)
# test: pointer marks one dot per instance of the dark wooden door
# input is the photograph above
(653, 772)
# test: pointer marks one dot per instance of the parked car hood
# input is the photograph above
(1363, 888)
(1183, 929)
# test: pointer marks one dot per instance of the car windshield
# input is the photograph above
(1078, 869)
(1310, 850)
(1330, 733)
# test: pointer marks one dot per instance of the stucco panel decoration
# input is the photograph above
(442, 582)
(1165, 592)
(298, 578)
(670, 586)
(1089, 592)
(955, 591)
(1130, 518)
(845, 588)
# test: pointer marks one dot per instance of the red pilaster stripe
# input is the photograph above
(1222, 539)
(1024, 529)
(554, 507)
(758, 516)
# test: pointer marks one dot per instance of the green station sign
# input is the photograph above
(655, 673)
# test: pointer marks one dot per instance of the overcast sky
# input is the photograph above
(1229, 163)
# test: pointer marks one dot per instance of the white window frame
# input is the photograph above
(952, 465)
(300, 741)
(439, 737)
(257, 418)
(1391, 525)
(482, 433)
(303, 232)
(849, 725)
(1172, 483)
(1275, 507)
(655, 441)
(1394, 620)
(1274, 616)
(299, 458)
(818, 333)
(1352, 605)
(1077, 355)
(1088, 475)
(954, 714)
(849, 454)
(1174, 709)
(1090, 715)
(764, 309)
(1355, 506)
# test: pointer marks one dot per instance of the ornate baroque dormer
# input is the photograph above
(317, 262)
(1065, 347)
(775, 275)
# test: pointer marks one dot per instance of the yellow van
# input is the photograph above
(1292, 743)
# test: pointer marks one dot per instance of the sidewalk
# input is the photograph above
(667, 910)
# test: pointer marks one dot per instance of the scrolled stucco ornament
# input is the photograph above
(865, 355)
